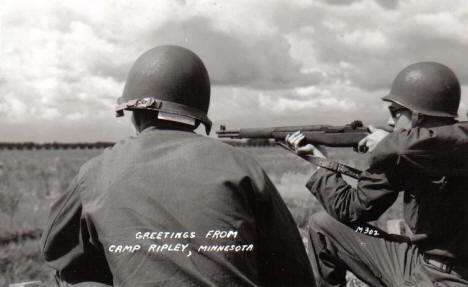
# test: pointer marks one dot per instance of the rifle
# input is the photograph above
(334, 136)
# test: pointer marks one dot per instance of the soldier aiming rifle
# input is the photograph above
(425, 157)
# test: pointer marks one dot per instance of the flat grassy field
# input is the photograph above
(31, 180)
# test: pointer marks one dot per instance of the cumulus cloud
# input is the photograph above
(376, 44)
(71, 58)
(270, 62)
(234, 59)
(389, 4)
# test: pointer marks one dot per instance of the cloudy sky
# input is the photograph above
(275, 62)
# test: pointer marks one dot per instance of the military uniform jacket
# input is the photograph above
(431, 167)
(201, 212)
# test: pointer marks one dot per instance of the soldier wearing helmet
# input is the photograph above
(422, 94)
(425, 159)
(168, 83)
(170, 207)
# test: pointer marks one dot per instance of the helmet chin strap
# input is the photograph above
(416, 119)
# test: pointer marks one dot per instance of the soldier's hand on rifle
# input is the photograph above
(369, 143)
(294, 141)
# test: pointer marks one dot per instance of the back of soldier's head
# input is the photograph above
(169, 84)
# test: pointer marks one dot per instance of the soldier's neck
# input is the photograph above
(167, 125)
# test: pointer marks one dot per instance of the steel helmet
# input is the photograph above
(171, 80)
(427, 88)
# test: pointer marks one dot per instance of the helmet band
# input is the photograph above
(177, 109)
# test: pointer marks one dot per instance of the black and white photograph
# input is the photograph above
(233, 143)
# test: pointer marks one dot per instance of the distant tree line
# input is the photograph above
(9, 237)
(101, 145)
(53, 145)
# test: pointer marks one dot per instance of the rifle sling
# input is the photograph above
(326, 163)
(333, 166)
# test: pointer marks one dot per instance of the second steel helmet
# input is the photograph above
(427, 88)
(171, 80)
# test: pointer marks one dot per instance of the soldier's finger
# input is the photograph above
(295, 136)
(362, 142)
(307, 149)
(312, 149)
(290, 138)
(296, 142)
(316, 151)
(301, 137)
(362, 145)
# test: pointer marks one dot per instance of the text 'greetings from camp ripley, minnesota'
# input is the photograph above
(182, 242)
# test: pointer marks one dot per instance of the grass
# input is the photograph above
(31, 180)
